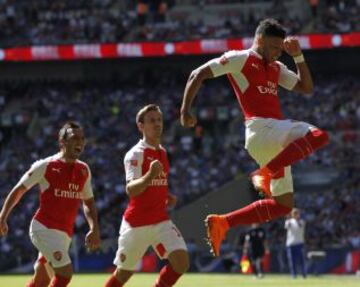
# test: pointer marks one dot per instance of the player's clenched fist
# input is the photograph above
(92, 240)
(188, 120)
(156, 168)
(292, 46)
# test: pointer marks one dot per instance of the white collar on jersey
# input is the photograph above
(145, 144)
(58, 156)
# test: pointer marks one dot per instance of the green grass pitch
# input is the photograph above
(202, 280)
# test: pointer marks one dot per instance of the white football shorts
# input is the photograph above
(52, 243)
(266, 138)
(164, 237)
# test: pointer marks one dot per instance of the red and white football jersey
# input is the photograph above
(149, 207)
(255, 81)
(63, 186)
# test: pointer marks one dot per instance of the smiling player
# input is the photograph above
(65, 183)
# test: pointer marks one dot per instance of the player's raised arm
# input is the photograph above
(229, 63)
(305, 83)
(10, 202)
(192, 87)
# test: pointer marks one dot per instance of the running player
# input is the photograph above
(65, 183)
(146, 220)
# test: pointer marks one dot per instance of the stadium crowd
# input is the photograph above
(78, 22)
(32, 114)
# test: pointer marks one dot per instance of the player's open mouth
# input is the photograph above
(78, 149)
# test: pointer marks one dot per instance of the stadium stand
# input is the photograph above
(32, 111)
(68, 22)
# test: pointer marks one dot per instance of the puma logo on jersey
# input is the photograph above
(58, 170)
(150, 158)
(256, 66)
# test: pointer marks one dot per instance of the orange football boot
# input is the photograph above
(216, 227)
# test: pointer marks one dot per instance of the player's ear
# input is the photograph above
(259, 40)
(140, 126)
(61, 143)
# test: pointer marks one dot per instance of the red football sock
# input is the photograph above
(257, 212)
(113, 282)
(298, 149)
(59, 281)
(168, 277)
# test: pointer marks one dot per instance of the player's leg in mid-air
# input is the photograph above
(269, 142)
(301, 141)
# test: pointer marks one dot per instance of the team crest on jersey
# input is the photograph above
(134, 162)
(57, 255)
(122, 257)
(224, 60)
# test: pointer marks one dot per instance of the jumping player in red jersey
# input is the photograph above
(274, 143)
(146, 221)
(65, 183)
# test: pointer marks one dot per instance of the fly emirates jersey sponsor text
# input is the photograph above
(254, 81)
(63, 186)
(149, 207)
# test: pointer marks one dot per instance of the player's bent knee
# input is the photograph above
(123, 275)
(325, 138)
(179, 260)
(319, 138)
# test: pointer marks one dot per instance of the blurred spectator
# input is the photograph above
(314, 8)
(63, 21)
(255, 246)
(295, 242)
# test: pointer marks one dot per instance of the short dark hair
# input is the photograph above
(63, 133)
(143, 111)
(270, 27)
